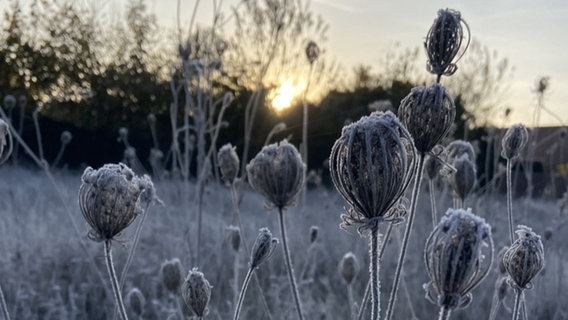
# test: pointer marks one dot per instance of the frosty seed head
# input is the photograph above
(136, 300)
(228, 162)
(314, 233)
(234, 237)
(277, 172)
(444, 42)
(458, 256)
(514, 141)
(312, 52)
(371, 165)
(171, 274)
(457, 148)
(196, 292)
(9, 101)
(463, 180)
(109, 199)
(66, 137)
(349, 267)
(262, 248)
(428, 113)
(524, 259)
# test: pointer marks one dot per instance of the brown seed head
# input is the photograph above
(171, 273)
(524, 259)
(514, 141)
(428, 113)
(349, 267)
(262, 248)
(228, 162)
(136, 301)
(196, 292)
(109, 199)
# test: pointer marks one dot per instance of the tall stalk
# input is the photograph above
(4, 306)
(242, 294)
(517, 308)
(444, 313)
(374, 273)
(433, 203)
(114, 280)
(289, 264)
(510, 201)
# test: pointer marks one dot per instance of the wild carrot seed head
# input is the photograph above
(196, 292)
(262, 248)
(171, 274)
(349, 267)
(513, 142)
(463, 180)
(524, 259)
(457, 148)
(228, 162)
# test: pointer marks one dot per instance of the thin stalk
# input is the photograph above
(4, 305)
(305, 133)
(510, 201)
(242, 294)
(445, 313)
(289, 264)
(114, 280)
(411, 214)
(366, 295)
(517, 307)
(433, 203)
(236, 279)
(38, 134)
(351, 300)
(374, 274)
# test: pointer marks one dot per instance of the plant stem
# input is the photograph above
(411, 214)
(242, 294)
(433, 203)
(289, 264)
(236, 279)
(444, 313)
(516, 308)
(510, 201)
(4, 306)
(350, 299)
(374, 274)
(114, 281)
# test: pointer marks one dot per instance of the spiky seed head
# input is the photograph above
(428, 113)
(171, 274)
(371, 165)
(312, 52)
(463, 180)
(9, 101)
(314, 233)
(458, 256)
(349, 267)
(109, 199)
(513, 142)
(228, 162)
(66, 137)
(196, 292)
(262, 248)
(525, 258)
(234, 237)
(432, 167)
(445, 42)
(277, 172)
(136, 301)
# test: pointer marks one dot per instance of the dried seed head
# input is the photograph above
(444, 42)
(136, 301)
(371, 165)
(428, 113)
(262, 248)
(234, 237)
(228, 162)
(349, 267)
(314, 232)
(277, 172)
(312, 52)
(463, 180)
(432, 167)
(514, 141)
(457, 148)
(9, 101)
(196, 292)
(458, 256)
(525, 258)
(109, 199)
(5, 140)
(66, 137)
(171, 273)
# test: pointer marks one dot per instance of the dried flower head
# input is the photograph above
(314, 233)
(428, 113)
(262, 248)
(9, 101)
(136, 301)
(312, 52)
(458, 256)
(171, 273)
(444, 42)
(463, 180)
(277, 172)
(349, 267)
(228, 162)
(109, 199)
(234, 237)
(196, 292)
(513, 142)
(371, 165)
(5, 140)
(66, 137)
(524, 259)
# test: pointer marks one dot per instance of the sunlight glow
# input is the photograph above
(283, 97)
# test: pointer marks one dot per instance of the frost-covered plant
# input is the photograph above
(136, 301)
(5, 140)
(463, 180)
(458, 256)
(348, 269)
(196, 292)
(228, 163)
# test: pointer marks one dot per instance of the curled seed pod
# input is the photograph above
(314, 233)
(463, 180)
(513, 142)
(171, 273)
(312, 52)
(432, 167)
(66, 137)
(277, 172)
(262, 248)
(109, 199)
(136, 301)
(371, 166)
(458, 256)
(228, 162)
(428, 113)
(9, 101)
(349, 267)
(444, 42)
(234, 237)
(525, 258)
(196, 292)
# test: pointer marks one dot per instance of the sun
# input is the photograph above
(283, 97)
